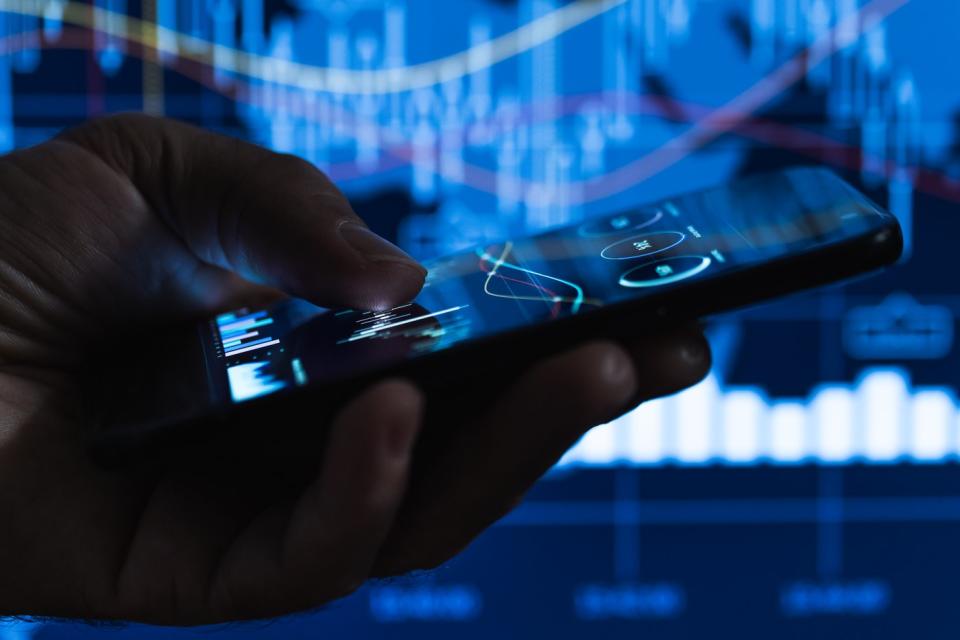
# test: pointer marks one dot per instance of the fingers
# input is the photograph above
(274, 219)
(666, 364)
(323, 547)
(484, 472)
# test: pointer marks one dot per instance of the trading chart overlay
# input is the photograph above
(809, 486)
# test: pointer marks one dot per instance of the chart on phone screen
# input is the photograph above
(505, 279)
(427, 330)
(243, 332)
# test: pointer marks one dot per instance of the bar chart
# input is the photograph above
(879, 418)
(242, 332)
(246, 334)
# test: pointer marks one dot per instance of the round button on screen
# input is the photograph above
(620, 223)
(666, 271)
(642, 246)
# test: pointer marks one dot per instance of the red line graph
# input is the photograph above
(492, 264)
(552, 295)
(708, 124)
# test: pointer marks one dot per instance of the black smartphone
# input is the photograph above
(252, 374)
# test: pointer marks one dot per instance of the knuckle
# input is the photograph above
(292, 166)
(343, 585)
(231, 601)
(314, 185)
(430, 560)
(604, 376)
(400, 559)
(303, 592)
(126, 141)
(130, 119)
(112, 126)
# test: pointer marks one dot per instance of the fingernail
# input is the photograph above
(693, 352)
(374, 248)
(617, 367)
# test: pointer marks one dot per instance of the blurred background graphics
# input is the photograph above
(813, 493)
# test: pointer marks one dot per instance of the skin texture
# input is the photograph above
(134, 221)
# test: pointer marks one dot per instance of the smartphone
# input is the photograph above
(256, 375)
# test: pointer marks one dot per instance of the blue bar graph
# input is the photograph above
(252, 380)
(239, 332)
(880, 419)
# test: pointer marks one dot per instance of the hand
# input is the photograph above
(132, 220)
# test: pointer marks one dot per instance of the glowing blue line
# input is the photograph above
(248, 344)
(659, 282)
(235, 340)
(299, 373)
(498, 262)
(235, 324)
(253, 348)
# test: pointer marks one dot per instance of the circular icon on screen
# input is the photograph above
(642, 246)
(666, 271)
(621, 222)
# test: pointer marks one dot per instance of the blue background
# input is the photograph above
(809, 488)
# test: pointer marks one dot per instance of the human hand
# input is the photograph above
(137, 220)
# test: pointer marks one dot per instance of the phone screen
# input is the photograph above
(513, 284)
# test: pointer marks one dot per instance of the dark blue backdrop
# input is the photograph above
(810, 494)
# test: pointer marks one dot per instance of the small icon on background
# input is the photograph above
(640, 246)
(664, 270)
(621, 222)
(898, 328)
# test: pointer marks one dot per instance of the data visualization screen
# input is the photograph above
(809, 486)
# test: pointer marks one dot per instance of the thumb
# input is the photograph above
(273, 219)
